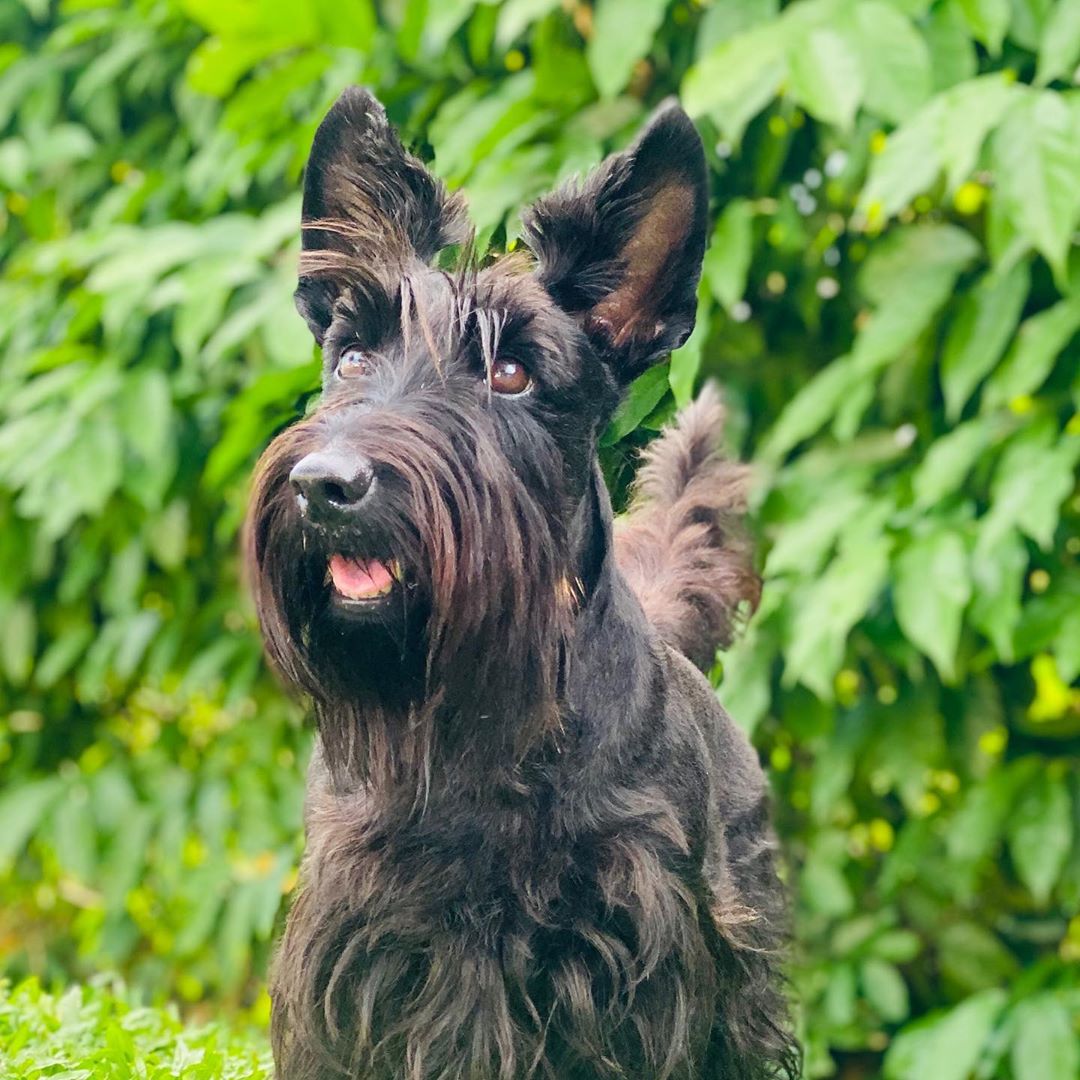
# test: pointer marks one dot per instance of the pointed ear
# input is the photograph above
(368, 205)
(623, 249)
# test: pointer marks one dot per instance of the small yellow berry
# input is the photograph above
(969, 197)
(1039, 580)
(993, 742)
(780, 758)
(881, 835)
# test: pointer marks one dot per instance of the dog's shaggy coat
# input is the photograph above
(536, 845)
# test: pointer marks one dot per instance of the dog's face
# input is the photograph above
(421, 532)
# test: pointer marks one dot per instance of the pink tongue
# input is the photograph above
(359, 579)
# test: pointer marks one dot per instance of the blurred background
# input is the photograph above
(891, 300)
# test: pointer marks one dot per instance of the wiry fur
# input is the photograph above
(536, 845)
(682, 548)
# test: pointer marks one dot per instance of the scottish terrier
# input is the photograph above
(536, 844)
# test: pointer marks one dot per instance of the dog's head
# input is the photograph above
(423, 531)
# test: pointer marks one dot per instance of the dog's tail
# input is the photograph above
(682, 547)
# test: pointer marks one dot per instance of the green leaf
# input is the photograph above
(1040, 834)
(812, 405)
(931, 588)
(909, 276)
(948, 461)
(736, 80)
(908, 257)
(1033, 353)
(90, 473)
(442, 21)
(898, 72)
(914, 8)
(972, 958)
(897, 946)
(952, 53)
(885, 989)
(563, 81)
(945, 1046)
(348, 26)
(839, 1001)
(167, 534)
(746, 688)
(822, 884)
(685, 362)
(719, 22)
(123, 864)
(1034, 476)
(803, 544)
(124, 577)
(988, 19)
(146, 412)
(727, 259)
(73, 835)
(1059, 49)
(947, 134)
(18, 641)
(1036, 152)
(22, 808)
(970, 111)
(479, 119)
(643, 396)
(516, 15)
(998, 571)
(908, 166)
(826, 75)
(61, 654)
(1067, 647)
(827, 612)
(217, 65)
(623, 32)
(982, 328)
(1045, 1045)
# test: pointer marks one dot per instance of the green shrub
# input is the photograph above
(100, 1033)
(891, 299)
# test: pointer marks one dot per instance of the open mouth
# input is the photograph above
(363, 583)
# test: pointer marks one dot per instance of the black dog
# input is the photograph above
(537, 847)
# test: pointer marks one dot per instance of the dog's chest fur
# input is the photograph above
(515, 933)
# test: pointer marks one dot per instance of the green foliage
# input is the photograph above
(102, 1033)
(892, 301)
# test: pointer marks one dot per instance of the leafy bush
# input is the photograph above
(892, 300)
(100, 1033)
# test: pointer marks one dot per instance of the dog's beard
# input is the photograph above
(430, 633)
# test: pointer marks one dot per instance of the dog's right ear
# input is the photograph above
(367, 203)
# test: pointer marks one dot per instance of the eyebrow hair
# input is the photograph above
(476, 309)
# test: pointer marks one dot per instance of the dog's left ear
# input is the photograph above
(622, 251)
(367, 203)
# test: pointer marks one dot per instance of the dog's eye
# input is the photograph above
(509, 377)
(353, 362)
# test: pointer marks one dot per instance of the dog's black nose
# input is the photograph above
(332, 483)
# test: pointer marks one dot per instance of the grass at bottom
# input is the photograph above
(100, 1032)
